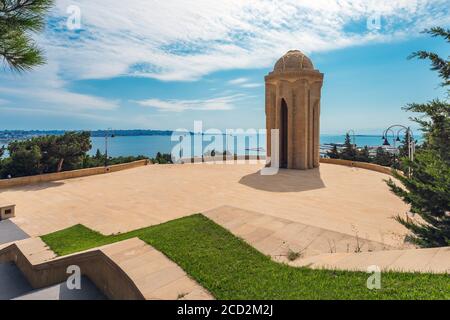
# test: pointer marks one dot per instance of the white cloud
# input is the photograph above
(45, 88)
(220, 103)
(54, 112)
(180, 40)
(238, 81)
(59, 97)
(251, 85)
(244, 83)
(185, 40)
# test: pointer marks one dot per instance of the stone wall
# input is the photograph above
(99, 268)
(357, 164)
(8, 183)
(261, 159)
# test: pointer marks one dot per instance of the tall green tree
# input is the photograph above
(427, 189)
(70, 148)
(383, 158)
(403, 148)
(349, 151)
(363, 155)
(46, 154)
(403, 151)
(24, 160)
(162, 158)
(18, 20)
(98, 155)
(333, 153)
(46, 144)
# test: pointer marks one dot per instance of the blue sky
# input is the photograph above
(155, 65)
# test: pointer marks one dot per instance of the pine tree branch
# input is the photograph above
(17, 19)
(438, 64)
(438, 32)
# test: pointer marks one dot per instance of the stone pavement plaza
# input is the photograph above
(338, 198)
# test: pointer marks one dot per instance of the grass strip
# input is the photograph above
(231, 269)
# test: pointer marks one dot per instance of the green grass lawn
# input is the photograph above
(231, 269)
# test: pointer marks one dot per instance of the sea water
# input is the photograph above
(150, 145)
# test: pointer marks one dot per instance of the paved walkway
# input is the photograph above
(9, 232)
(12, 282)
(333, 197)
(433, 260)
(154, 274)
(274, 236)
(88, 291)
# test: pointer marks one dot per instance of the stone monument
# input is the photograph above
(293, 92)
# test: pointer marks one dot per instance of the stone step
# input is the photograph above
(151, 272)
(322, 248)
(156, 276)
(276, 236)
(35, 250)
(432, 260)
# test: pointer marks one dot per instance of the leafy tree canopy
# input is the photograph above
(46, 154)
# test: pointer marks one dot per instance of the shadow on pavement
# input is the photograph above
(286, 180)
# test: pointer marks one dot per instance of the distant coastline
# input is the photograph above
(149, 142)
(8, 135)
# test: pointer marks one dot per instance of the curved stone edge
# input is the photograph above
(261, 159)
(358, 164)
(126, 270)
(96, 265)
(48, 177)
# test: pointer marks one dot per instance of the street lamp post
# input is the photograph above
(181, 148)
(385, 137)
(396, 136)
(353, 136)
(107, 135)
(228, 137)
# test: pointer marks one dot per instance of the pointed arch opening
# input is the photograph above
(283, 134)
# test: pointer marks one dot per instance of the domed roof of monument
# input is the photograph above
(293, 60)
